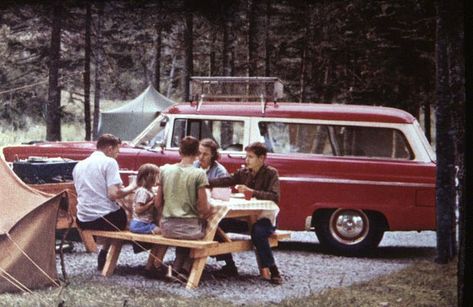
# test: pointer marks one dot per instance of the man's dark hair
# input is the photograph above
(209, 143)
(108, 140)
(189, 146)
(258, 148)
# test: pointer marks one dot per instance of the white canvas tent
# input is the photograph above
(130, 119)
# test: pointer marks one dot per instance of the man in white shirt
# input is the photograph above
(98, 184)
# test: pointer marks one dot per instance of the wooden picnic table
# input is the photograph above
(249, 210)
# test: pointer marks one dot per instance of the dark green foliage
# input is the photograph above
(364, 52)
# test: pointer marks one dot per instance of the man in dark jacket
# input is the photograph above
(262, 182)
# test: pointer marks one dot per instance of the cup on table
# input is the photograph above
(248, 195)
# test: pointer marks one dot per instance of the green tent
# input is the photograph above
(130, 119)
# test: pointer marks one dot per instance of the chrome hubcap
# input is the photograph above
(349, 226)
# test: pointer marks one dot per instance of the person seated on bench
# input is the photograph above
(143, 204)
(182, 201)
(261, 181)
(98, 186)
(208, 156)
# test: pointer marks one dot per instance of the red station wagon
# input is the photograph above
(349, 172)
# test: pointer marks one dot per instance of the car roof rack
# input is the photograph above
(211, 89)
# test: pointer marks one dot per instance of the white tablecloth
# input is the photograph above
(269, 209)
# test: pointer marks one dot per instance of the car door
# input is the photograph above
(326, 165)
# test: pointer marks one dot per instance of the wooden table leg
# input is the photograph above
(156, 256)
(88, 240)
(112, 257)
(196, 272)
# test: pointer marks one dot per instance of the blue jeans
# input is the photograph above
(141, 227)
(260, 233)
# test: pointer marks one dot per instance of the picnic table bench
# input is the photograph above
(200, 249)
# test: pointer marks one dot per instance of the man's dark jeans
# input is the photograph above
(260, 233)
(113, 221)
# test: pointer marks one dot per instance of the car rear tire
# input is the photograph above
(349, 231)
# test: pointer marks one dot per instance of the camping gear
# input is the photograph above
(129, 120)
(27, 235)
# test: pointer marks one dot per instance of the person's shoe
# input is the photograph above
(101, 258)
(228, 270)
(275, 276)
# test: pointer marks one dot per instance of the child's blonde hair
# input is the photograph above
(146, 172)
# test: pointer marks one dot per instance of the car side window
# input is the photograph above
(375, 142)
(296, 138)
(228, 134)
(334, 140)
(178, 132)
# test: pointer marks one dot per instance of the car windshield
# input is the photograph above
(154, 135)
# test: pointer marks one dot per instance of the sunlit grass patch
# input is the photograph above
(37, 132)
(73, 130)
(424, 283)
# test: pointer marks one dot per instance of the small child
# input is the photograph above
(143, 204)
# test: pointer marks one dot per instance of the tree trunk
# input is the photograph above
(445, 194)
(302, 75)
(188, 43)
(304, 51)
(87, 47)
(456, 62)
(53, 115)
(252, 38)
(144, 66)
(228, 48)
(457, 89)
(267, 41)
(157, 60)
(98, 65)
(213, 45)
(465, 265)
(171, 76)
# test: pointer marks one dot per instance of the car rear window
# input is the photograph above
(335, 140)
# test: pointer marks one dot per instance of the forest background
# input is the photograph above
(354, 52)
(60, 56)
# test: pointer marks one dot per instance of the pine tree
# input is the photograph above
(53, 115)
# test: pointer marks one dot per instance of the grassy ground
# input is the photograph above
(423, 284)
(37, 132)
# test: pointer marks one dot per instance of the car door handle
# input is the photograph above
(237, 156)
